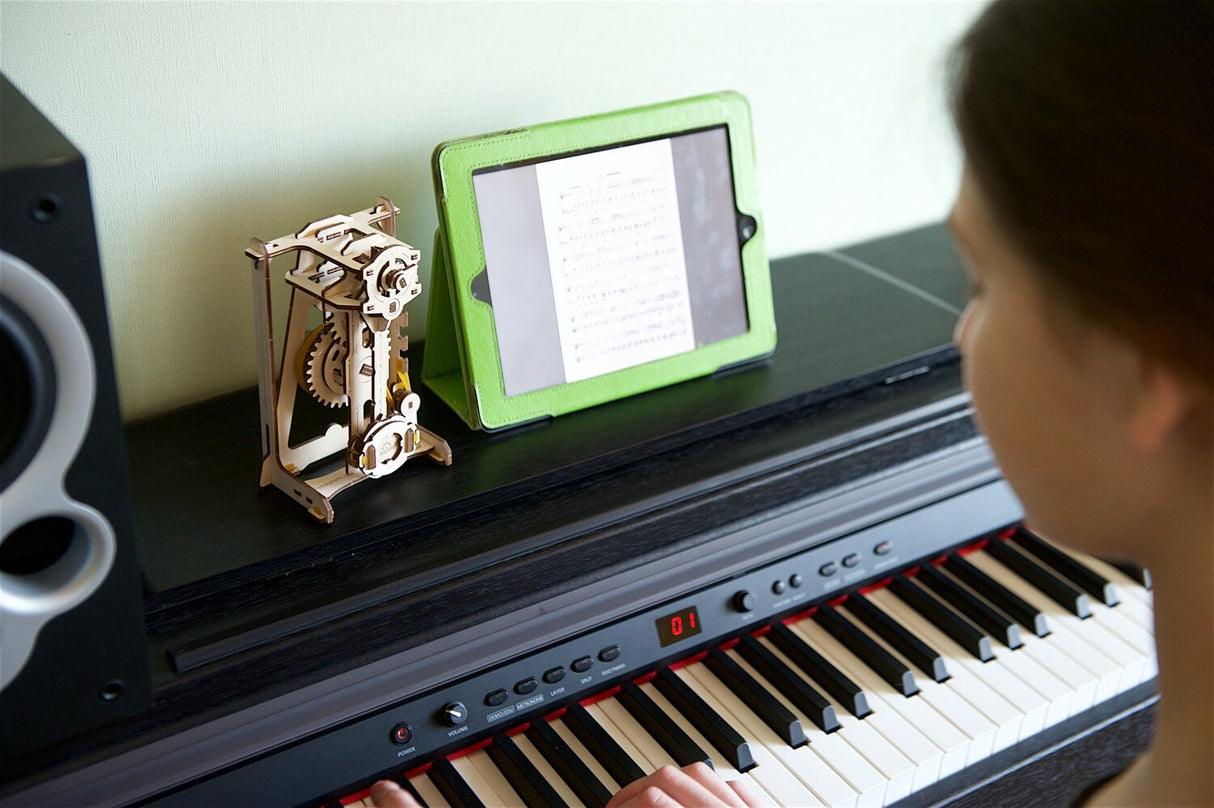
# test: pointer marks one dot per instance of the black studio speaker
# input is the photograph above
(73, 648)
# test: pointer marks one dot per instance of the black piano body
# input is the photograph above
(287, 654)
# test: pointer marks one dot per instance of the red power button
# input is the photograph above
(402, 733)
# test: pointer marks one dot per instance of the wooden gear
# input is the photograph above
(359, 277)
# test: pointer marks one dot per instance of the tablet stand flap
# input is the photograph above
(444, 365)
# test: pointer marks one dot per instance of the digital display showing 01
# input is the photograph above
(678, 626)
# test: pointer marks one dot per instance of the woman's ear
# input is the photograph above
(1165, 405)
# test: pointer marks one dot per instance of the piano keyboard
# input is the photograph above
(865, 700)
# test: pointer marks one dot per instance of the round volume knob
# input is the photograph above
(744, 601)
(453, 713)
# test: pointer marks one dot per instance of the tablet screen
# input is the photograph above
(608, 259)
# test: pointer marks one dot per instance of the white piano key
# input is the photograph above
(785, 786)
(429, 792)
(1056, 651)
(864, 782)
(641, 746)
(878, 750)
(975, 726)
(1108, 630)
(1138, 666)
(1124, 586)
(719, 762)
(991, 689)
(1136, 603)
(1083, 683)
(840, 754)
(545, 768)
(1127, 587)
(895, 768)
(575, 744)
(1086, 654)
(1134, 622)
(1134, 616)
(483, 777)
(918, 712)
(1027, 663)
(891, 722)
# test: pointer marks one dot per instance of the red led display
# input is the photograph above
(678, 626)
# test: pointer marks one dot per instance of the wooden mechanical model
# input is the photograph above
(345, 346)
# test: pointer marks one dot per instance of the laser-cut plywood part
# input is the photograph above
(352, 275)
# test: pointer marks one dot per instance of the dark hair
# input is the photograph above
(1089, 127)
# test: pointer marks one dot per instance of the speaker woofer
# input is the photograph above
(54, 551)
(28, 398)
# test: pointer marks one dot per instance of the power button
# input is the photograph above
(402, 733)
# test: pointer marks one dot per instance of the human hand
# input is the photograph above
(694, 785)
(387, 794)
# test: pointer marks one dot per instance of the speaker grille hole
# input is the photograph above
(112, 690)
(45, 208)
(36, 545)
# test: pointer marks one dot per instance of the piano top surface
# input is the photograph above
(202, 522)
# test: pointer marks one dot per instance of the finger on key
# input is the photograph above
(696, 784)
(387, 794)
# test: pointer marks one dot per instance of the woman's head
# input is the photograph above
(1086, 220)
(1089, 127)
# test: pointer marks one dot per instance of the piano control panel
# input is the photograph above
(501, 697)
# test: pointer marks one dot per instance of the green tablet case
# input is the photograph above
(461, 360)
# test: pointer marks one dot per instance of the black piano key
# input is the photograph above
(404, 783)
(960, 630)
(522, 775)
(1083, 577)
(996, 624)
(719, 732)
(1057, 589)
(618, 763)
(802, 695)
(999, 595)
(576, 774)
(874, 656)
(821, 670)
(786, 725)
(452, 786)
(1137, 574)
(662, 727)
(900, 639)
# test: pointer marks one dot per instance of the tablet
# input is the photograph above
(585, 260)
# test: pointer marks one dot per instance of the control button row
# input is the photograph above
(853, 559)
(523, 687)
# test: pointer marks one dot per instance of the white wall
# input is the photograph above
(206, 123)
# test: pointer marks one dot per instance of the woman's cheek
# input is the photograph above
(977, 365)
(961, 329)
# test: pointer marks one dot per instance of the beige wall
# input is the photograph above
(206, 123)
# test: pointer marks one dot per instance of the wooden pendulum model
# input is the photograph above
(353, 271)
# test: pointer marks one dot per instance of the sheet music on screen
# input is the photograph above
(609, 259)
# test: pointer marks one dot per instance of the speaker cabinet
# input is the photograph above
(73, 648)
